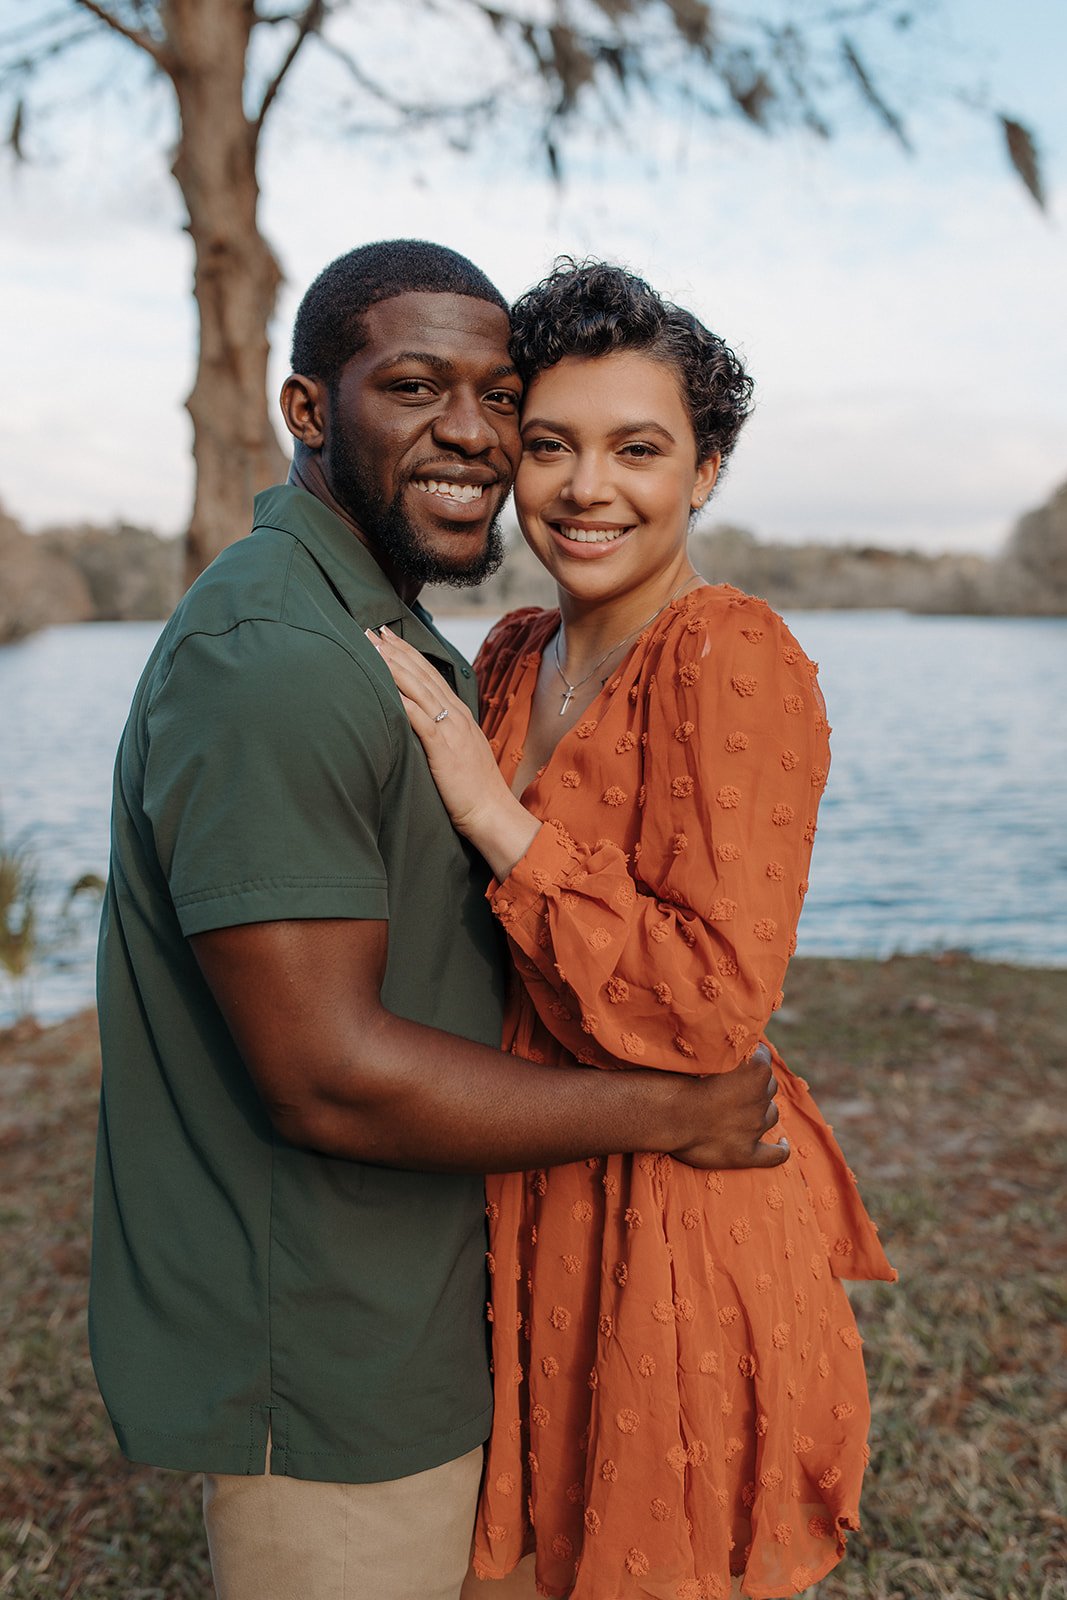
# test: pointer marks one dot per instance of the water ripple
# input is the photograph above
(942, 827)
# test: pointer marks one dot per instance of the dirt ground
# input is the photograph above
(944, 1079)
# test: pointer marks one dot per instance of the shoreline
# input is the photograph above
(29, 1028)
(122, 572)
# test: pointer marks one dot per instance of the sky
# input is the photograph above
(903, 316)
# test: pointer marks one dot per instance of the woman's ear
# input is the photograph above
(707, 472)
(304, 405)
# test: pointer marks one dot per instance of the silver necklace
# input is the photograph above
(571, 689)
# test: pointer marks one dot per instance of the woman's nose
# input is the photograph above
(588, 482)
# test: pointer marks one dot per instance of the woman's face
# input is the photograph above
(609, 475)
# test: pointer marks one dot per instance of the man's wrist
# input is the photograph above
(662, 1110)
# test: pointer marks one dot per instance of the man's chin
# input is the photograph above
(462, 561)
(469, 560)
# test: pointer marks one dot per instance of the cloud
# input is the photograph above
(903, 319)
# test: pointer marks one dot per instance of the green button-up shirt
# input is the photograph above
(268, 772)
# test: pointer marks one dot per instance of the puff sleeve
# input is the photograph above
(673, 955)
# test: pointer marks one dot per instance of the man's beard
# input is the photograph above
(390, 531)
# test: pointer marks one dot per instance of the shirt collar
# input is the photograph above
(352, 571)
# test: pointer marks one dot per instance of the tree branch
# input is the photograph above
(411, 112)
(310, 21)
(39, 26)
(144, 41)
(38, 54)
(871, 95)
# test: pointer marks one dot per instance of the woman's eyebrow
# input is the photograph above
(544, 422)
(649, 425)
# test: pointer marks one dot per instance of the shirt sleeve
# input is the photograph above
(268, 751)
(673, 957)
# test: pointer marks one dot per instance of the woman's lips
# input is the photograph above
(587, 540)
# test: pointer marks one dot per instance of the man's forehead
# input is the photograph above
(418, 319)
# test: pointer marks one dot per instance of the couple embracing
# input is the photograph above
(379, 925)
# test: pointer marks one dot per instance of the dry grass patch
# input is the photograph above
(945, 1081)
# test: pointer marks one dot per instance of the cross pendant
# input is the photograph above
(567, 698)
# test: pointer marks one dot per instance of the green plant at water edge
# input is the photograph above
(19, 902)
(22, 943)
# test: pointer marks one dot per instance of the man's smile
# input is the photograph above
(463, 492)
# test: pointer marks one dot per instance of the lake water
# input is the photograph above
(944, 823)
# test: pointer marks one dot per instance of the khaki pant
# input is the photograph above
(274, 1538)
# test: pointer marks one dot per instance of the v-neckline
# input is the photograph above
(605, 691)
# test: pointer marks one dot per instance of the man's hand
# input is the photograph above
(734, 1110)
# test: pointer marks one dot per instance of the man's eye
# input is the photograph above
(504, 397)
(412, 386)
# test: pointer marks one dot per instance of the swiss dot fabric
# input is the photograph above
(680, 1394)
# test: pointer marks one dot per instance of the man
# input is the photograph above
(300, 989)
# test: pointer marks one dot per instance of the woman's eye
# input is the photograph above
(639, 452)
(544, 447)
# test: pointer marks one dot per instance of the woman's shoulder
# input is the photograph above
(727, 604)
(719, 616)
(525, 628)
(723, 647)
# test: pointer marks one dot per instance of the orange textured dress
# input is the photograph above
(680, 1393)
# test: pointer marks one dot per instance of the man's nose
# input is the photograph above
(464, 425)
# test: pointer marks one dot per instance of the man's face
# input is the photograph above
(422, 436)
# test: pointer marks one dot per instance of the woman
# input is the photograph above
(681, 1409)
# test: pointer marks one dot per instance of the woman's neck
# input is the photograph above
(591, 629)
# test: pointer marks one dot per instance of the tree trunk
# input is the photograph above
(235, 449)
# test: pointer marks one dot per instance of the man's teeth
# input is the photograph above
(590, 535)
(452, 491)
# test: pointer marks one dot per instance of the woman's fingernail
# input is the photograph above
(389, 631)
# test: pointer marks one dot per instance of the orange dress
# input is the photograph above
(680, 1393)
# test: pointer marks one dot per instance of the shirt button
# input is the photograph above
(466, 671)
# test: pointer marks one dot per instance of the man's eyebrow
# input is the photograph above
(419, 357)
(436, 363)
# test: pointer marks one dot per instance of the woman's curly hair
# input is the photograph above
(590, 308)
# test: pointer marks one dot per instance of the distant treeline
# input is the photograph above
(84, 574)
(1027, 578)
(124, 573)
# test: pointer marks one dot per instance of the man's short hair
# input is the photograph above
(329, 327)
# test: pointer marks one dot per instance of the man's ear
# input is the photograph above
(304, 404)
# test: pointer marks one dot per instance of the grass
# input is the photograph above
(944, 1079)
(18, 916)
